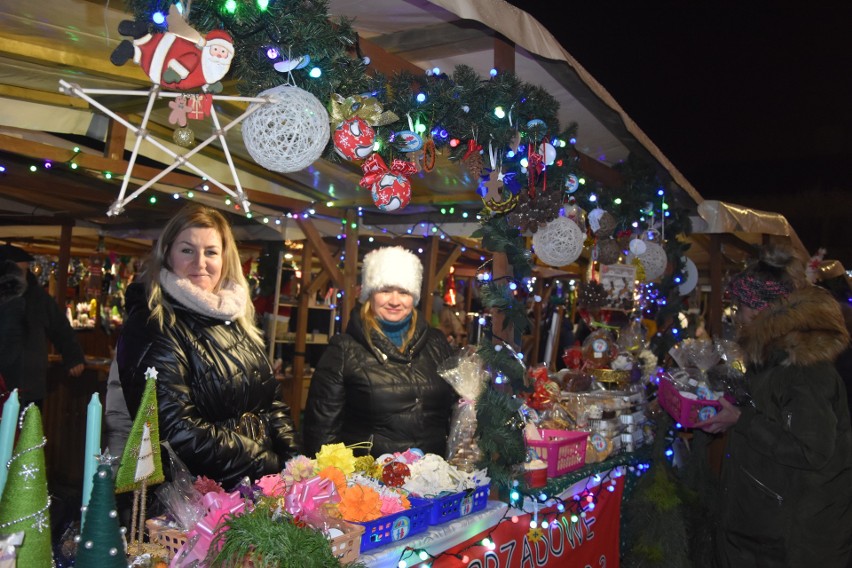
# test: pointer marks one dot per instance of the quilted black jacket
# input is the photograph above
(210, 377)
(397, 398)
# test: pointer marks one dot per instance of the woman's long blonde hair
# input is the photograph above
(368, 318)
(197, 217)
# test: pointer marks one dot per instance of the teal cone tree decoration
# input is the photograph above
(102, 544)
(25, 506)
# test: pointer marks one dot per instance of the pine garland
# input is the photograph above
(499, 429)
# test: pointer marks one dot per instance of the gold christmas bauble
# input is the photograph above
(184, 137)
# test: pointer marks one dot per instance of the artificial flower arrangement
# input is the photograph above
(309, 505)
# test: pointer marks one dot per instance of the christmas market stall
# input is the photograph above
(460, 130)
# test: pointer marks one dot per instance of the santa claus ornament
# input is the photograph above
(390, 187)
(180, 58)
(288, 134)
(353, 139)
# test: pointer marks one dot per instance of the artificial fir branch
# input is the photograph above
(498, 296)
(270, 539)
(500, 431)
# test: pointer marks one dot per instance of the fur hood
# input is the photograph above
(803, 329)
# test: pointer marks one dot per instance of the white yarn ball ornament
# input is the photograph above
(287, 135)
(559, 242)
(654, 261)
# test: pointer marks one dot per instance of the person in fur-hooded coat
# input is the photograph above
(787, 473)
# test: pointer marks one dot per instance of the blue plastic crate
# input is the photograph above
(445, 509)
(398, 526)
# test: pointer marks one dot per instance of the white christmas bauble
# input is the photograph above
(289, 134)
(559, 242)
(690, 278)
(637, 247)
(654, 261)
(548, 152)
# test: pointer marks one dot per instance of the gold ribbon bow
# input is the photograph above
(369, 109)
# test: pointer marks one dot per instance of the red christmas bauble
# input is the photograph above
(395, 473)
(391, 192)
(353, 139)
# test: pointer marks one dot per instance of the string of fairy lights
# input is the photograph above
(561, 499)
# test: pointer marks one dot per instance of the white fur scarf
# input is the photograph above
(228, 303)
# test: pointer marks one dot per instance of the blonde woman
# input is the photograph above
(379, 380)
(193, 322)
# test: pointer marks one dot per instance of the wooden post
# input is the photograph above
(62, 265)
(301, 333)
(115, 140)
(351, 268)
(714, 317)
(501, 269)
(536, 331)
(429, 280)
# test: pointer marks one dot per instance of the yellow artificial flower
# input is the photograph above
(336, 455)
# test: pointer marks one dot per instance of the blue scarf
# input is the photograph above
(396, 331)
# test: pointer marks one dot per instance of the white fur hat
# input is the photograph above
(391, 267)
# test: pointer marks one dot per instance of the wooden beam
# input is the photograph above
(598, 171)
(37, 150)
(61, 55)
(430, 283)
(351, 267)
(328, 264)
(384, 62)
(115, 140)
(34, 96)
(451, 259)
(714, 316)
(62, 264)
(504, 54)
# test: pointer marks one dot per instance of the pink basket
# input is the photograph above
(563, 450)
(687, 411)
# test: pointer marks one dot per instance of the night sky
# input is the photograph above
(752, 101)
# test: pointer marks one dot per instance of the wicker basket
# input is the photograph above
(168, 537)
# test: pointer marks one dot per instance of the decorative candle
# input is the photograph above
(93, 445)
(8, 426)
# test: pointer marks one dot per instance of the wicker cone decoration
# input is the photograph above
(559, 242)
(289, 134)
(654, 261)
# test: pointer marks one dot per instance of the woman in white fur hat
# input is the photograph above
(379, 380)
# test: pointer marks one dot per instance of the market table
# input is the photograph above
(588, 537)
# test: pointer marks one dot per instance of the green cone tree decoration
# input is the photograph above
(101, 544)
(141, 464)
(26, 505)
(142, 451)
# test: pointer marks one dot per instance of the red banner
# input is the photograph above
(591, 542)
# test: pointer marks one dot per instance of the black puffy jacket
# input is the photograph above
(397, 398)
(210, 377)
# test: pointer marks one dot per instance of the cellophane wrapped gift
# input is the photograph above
(465, 372)
(180, 498)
